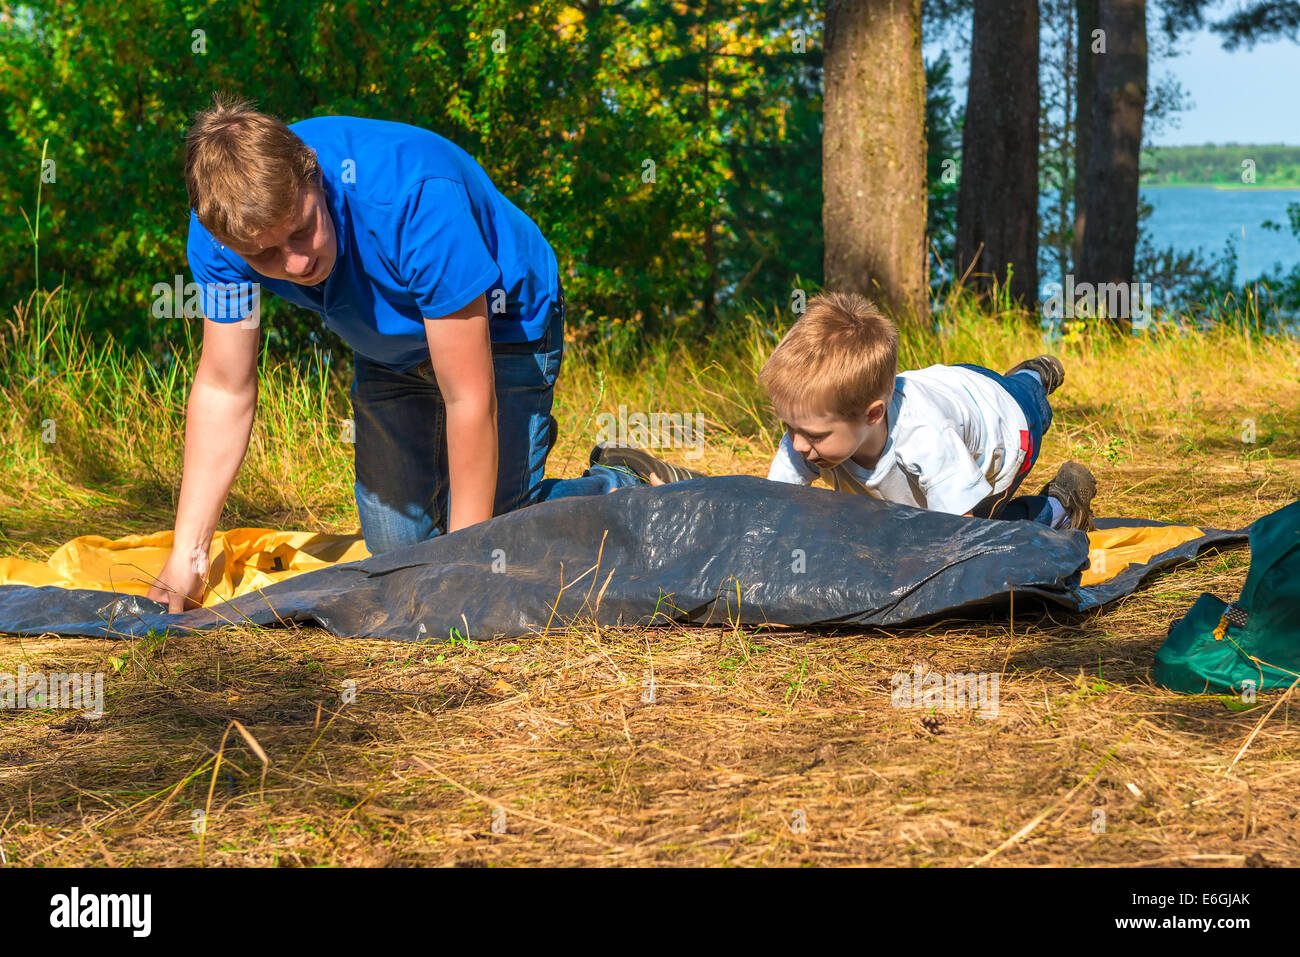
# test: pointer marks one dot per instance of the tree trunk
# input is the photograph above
(1089, 19)
(873, 154)
(997, 201)
(1111, 214)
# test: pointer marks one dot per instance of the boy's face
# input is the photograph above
(302, 249)
(825, 439)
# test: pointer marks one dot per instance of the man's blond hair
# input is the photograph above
(244, 170)
(840, 356)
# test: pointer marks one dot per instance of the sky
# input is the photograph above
(1240, 97)
(1246, 96)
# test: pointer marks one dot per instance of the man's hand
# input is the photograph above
(180, 585)
(460, 350)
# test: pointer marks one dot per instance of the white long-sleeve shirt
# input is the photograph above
(955, 437)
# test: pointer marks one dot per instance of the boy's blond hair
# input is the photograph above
(244, 170)
(840, 356)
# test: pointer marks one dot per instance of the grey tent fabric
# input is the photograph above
(713, 550)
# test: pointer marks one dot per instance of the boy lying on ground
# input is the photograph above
(956, 439)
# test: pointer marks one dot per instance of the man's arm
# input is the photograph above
(218, 423)
(461, 353)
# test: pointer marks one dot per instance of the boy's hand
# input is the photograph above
(654, 480)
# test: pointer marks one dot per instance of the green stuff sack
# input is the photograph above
(1253, 642)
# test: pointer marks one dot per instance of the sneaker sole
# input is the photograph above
(640, 463)
(1049, 369)
(1074, 486)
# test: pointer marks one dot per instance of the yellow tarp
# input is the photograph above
(241, 560)
(245, 559)
(1112, 550)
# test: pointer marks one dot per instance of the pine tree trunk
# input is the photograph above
(1089, 19)
(997, 201)
(1110, 237)
(873, 154)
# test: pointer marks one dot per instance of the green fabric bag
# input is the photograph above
(1219, 646)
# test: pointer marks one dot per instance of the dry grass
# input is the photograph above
(545, 750)
(749, 734)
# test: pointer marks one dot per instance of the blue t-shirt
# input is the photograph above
(421, 233)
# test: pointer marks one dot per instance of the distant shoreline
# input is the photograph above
(1227, 187)
(1273, 167)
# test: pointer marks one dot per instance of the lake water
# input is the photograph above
(1187, 217)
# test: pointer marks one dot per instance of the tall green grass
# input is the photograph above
(116, 419)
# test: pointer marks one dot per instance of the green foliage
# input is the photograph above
(1261, 20)
(563, 118)
(943, 121)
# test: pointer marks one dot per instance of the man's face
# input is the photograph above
(825, 439)
(302, 249)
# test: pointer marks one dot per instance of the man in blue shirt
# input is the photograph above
(447, 292)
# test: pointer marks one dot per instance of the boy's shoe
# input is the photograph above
(1049, 369)
(639, 462)
(1074, 487)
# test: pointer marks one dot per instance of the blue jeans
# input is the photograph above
(400, 453)
(1032, 399)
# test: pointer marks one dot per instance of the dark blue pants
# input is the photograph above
(402, 483)
(1032, 399)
